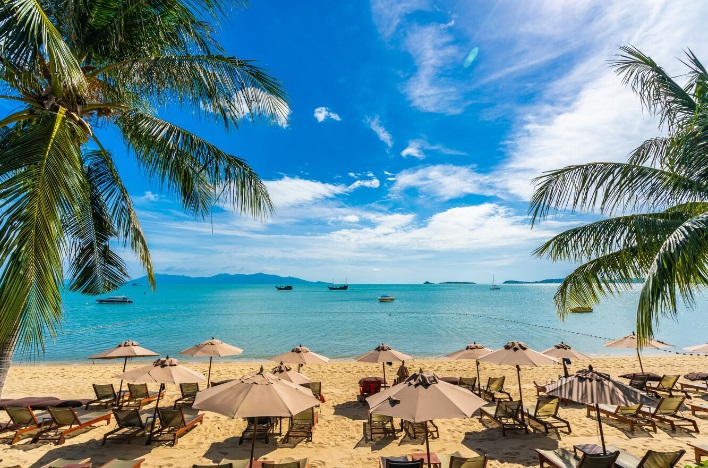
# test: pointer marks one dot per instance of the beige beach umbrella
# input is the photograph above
(588, 387)
(162, 371)
(286, 373)
(701, 348)
(126, 349)
(423, 397)
(630, 341)
(516, 353)
(563, 351)
(300, 355)
(471, 351)
(211, 348)
(383, 354)
(253, 396)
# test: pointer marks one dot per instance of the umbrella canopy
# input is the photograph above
(383, 354)
(563, 351)
(124, 350)
(286, 373)
(697, 376)
(471, 351)
(422, 398)
(630, 341)
(701, 348)
(300, 355)
(211, 348)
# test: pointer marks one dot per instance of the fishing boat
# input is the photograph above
(341, 287)
(115, 300)
(386, 298)
(284, 288)
(581, 310)
(494, 286)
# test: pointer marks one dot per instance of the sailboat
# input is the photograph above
(494, 286)
(341, 287)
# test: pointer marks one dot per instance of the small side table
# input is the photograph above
(434, 460)
(587, 449)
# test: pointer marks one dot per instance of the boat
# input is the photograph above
(494, 286)
(581, 309)
(284, 288)
(341, 287)
(115, 300)
(386, 298)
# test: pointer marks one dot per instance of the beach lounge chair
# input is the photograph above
(224, 465)
(651, 459)
(64, 421)
(469, 383)
(495, 389)
(368, 387)
(415, 430)
(692, 387)
(61, 462)
(22, 421)
(174, 423)
(105, 396)
(302, 425)
(667, 384)
(116, 463)
(630, 415)
(545, 413)
(139, 396)
(379, 425)
(697, 407)
(564, 458)
(699, 451)
(400, 462)
(263, 428)
(639, 381)
(129, 424)
(456, 460)
(505, 415)
(667, 411)
(189, 393)
(290, 463)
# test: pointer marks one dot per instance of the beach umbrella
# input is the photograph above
(286, 373)
(423, 397)
(693, 376)
(253, 396)
(383, 354)
(124, 350)
(471, 351)
(630, 341)
(162, 371)
(701, 348)
(516, 353)
(588, 387)
(563, 351)
(211, 348)
(300, 355)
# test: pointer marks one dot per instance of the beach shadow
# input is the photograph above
(229, 448)
(95, 451)
(352, 410)
(517, 450)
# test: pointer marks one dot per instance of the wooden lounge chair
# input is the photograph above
(639, 381)
(263, 429)
(651, 459)
(302, 425)
(64, 421)
(667, 384)
(368, 387)
(630, 415)
(316, 388)
(469, 383)
(699, 451)
(174, 423)
(545, 413)
(129, 424)
(22, 421)
(564, 458)
(505, 415)
(189, 393)
(290, 463)
(400, 462)
(61, 462)
(697, 407)
(495, 389)
(379, 425)
(692, 387)
(139, 396)
(417, 429)
(667, 411)
(106, 396)
(116, 463)
(456, 460)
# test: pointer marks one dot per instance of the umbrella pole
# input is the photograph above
(565, 368)
(154, 415)
(599, 423)
(253, 441)
(479, 382)
(120, 388)
(427, 443)
(209, 373)
(640, 361)
(383, 366)
(521, 398)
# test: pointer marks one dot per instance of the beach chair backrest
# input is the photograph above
(495, 384)
(371, 386)
(404, 464)
(104, 391)
(669, 405)
(64, 416)
(189, 390)
(639, 381)
(22, 415)
(171, 418)
(598, 461)
(668, 382)
(468, 382)
(630, 410)
(473, 462)
(380, 418)
(305, 417)
(316, 388)
(138, 390)
(654, 459)
(547, 406)
(507, 409)
(128, 418)
(223, 465)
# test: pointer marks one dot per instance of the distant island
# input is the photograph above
(224, 278)
(428, 282)
(457, 282)
(544, 281)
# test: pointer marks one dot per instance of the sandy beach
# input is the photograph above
(338, 437)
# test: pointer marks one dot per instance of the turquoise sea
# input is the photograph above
(424, 320)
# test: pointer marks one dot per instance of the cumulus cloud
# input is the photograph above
(442, 182)
(346, 219)
(151, 196)
(290, 191)
(378, 128)
(416, 149)
(372, 183)
(323, 113)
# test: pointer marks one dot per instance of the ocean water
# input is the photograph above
(424, 320)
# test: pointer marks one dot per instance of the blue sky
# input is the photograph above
(398, 162)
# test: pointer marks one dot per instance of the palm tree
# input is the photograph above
(70, 68)
(656, 203)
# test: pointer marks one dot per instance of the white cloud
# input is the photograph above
(372, 183)
(375, 125)
(290, 191)
(351, 219)
(388, 14)
(258, 104)
(323, 113)
(415, 149)
(151, 196)
(442, 182)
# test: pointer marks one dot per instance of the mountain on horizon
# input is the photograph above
(225, 278)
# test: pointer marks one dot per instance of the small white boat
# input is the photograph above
(115, 300)
(494, 286)
(386, 298)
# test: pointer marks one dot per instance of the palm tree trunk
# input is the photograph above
(6, 353)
